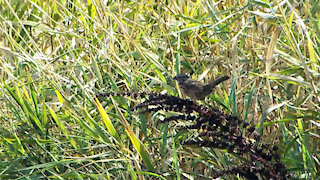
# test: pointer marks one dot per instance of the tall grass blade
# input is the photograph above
(107, 122)
(61, 126)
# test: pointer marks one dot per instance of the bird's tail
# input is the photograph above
(216, 82)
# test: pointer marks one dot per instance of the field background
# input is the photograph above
(56, 56)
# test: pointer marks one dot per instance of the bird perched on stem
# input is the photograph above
(196, 90)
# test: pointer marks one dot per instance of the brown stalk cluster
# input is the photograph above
(221, 131)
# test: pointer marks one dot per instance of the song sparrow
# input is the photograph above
(196, 90)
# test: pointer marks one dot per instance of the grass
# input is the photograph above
(56, 56)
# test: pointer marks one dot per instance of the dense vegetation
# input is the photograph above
(71, 72)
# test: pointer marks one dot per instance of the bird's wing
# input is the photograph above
(193, 86)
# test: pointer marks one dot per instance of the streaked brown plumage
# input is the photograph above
(196, 90)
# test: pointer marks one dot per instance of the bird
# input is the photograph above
(196, 90)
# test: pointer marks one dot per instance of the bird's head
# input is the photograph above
(181, 77)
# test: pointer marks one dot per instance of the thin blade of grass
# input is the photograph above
(137, 144)
(175, 160)
(61, 126)
(264, 115)
(97, 128)
(253, 89)
(107, 122)
(233, 102)
(85, 126)
(164, 138)
(17, 96)
(19, 146)
(60, 98)
(269, 56)
(150, 174)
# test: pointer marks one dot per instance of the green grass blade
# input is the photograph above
(233, 102)
(19, 146)
(137, 144)
(107, 122)
(249, 103)
(61, 126)
(175, 160)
